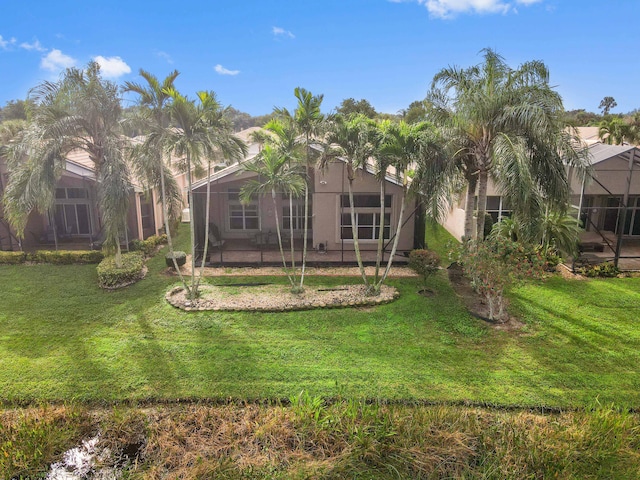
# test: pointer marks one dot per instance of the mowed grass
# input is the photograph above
(63, 338)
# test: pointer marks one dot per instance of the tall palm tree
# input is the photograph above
(148, 157)
(81, 111)
(506, 117)
(405, 147)
(274, 173)
(281, 133)
(351, 140)
(200, 132)
(309, 122)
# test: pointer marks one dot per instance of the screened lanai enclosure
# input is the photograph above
(608, 202)
(245, 234)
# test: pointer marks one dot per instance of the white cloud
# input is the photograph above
(451, 8)
(165, 56)
(224, 71)
(112, 67)
(281, 32)
(33, 46)
(55, 60)
(5, 44)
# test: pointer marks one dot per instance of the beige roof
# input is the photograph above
(589, 135)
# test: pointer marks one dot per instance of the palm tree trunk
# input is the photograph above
(165, 214)
(118, 256)
(292, 248)
(395, 242)
(194, 288)
(206, 224)
(472, 183)
(305, 233)
(483, 180)
(284, 261)
(380, 233)
(354, 230)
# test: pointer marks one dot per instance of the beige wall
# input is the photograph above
(325, 205)
(329, 185)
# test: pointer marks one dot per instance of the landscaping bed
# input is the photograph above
(277, 298)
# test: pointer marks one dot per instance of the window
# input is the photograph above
(297, 219)
(367, 217)
(72, 214)
(632, 220)
(497, 207)
(242, 217)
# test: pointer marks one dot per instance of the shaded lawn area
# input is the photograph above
(62, 338)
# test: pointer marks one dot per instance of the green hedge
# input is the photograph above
(12, 258)
(59, 257)
(148, 246)
(109, 276)
(66, 257)
(181, 258)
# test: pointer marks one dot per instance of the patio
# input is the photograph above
(244, 253)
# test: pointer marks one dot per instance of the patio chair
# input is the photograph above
(215, 238)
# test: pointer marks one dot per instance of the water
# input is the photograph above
(83, 463)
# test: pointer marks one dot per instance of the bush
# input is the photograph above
(607, 270)
(181, 258)
(12, 258)
(424, 262)
(66, 257)
(110, 276)
(148, 246)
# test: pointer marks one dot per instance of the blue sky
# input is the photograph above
(254, 53)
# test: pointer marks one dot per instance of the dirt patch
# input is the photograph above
(475, 303)
(276, 298)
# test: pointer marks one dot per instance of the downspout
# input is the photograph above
(341, 216)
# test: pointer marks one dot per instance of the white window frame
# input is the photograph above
(66, 201)
(375, 211)
(237, 206)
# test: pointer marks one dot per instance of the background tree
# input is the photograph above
(349, 106)
(79, 112)
(14, 110)
(416, 112)
(606, 104)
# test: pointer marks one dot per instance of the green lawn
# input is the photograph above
(62, 338)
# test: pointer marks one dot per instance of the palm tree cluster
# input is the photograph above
(487, 121)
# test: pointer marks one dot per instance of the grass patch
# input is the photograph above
(309, 438)
(63, 338)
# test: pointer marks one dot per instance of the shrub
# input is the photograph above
(424, 262)
(12, 258)
(497, 263)
(66, 257)
(606, 269)
(110, 276)
(181, 258)
(148, 246)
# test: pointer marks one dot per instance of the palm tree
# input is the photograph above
(403, 147)
(282, 135)
(508, 119)
(351, 140)
(79, 112)
(309, 122)
(149, 158)
(275, 173)
(615, 131)
(200, 132)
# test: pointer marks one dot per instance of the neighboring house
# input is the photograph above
(245, 234)
(75, 217)
(608, 201)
